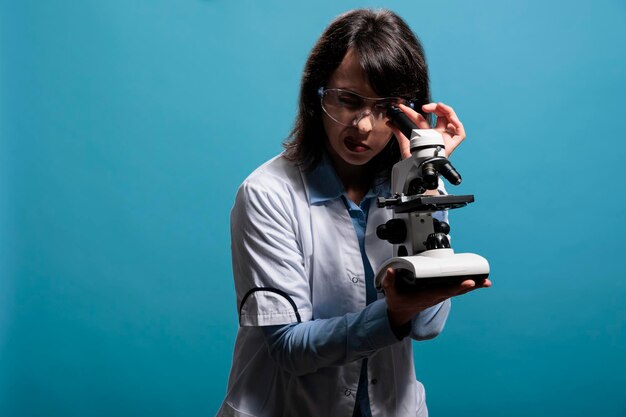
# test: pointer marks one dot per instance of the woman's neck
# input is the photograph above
(356, 179)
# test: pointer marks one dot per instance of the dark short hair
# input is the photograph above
(391, 56)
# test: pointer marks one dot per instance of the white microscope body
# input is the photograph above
(422, 255)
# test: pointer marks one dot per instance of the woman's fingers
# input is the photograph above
(444, 111)
(415, 117)
(445, 116)
(448, 124)
(402, 307)
(389, 279)
(403, 141)
(470, 285)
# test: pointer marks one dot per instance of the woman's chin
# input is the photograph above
(356, 158)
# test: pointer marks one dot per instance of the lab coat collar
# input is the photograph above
(324, 184)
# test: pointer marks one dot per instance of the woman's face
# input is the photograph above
(350, 146)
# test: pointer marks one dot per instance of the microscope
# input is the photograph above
(422, 256)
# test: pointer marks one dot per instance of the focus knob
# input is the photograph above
(394, 231)
(441, 227)
(437, 241)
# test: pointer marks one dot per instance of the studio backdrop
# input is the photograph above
(127, 126)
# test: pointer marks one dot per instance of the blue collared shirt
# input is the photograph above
(330, 186)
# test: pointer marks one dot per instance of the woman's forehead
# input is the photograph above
(349, 75)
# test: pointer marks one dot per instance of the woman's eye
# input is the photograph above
(384, 104)
(350, 101)
(382, 107)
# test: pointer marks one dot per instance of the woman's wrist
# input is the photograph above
(397, 319)
(402, 330)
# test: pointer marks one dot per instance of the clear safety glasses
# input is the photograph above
(348, 108)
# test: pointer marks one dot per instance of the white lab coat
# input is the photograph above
(296, 260)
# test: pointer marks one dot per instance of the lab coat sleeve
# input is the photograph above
(429, 323)
(303, 348)
(268, 266)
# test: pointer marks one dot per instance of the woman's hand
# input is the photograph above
(403, 307)
(448, 124)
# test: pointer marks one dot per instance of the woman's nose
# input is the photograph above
(365, 122)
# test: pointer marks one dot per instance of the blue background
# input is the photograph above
(126, 127)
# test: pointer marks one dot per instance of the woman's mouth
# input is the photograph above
(355, 146)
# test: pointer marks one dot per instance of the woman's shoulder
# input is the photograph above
(278, 168)
(278, 177)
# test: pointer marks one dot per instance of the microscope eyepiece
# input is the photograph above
(401, 120)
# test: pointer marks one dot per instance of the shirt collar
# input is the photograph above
(324, 183)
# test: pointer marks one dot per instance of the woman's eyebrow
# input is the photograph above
(352, 90)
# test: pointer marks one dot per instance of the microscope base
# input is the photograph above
(434, 268)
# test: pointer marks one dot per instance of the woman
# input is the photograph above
(315, 337)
